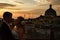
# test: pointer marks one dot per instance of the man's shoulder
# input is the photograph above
(2, 23)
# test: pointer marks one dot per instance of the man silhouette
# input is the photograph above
(5, 29)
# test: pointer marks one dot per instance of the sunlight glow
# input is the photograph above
(42, 1)
(24, 7)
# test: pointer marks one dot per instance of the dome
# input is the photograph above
(50, 12)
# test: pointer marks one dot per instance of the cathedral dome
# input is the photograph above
(50, 12)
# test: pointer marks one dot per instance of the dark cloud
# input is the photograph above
(3, 5)
(55, 2)
(32, 2)
(19, 2)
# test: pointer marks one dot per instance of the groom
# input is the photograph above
(5, 29)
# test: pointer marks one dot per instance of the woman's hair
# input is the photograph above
(20, 18)
(19, 23)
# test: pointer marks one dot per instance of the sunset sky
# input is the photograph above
(28, 8)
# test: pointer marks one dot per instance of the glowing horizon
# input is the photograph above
(27, 7)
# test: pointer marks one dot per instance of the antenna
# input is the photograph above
(24, 16)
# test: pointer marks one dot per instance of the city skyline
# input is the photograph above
(29, 8)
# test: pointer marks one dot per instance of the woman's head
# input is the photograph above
(18, 21)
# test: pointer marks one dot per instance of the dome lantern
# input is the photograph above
(50, 12)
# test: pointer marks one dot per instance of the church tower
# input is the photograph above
(50, 12)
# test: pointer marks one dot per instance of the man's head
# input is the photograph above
(7, 16)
